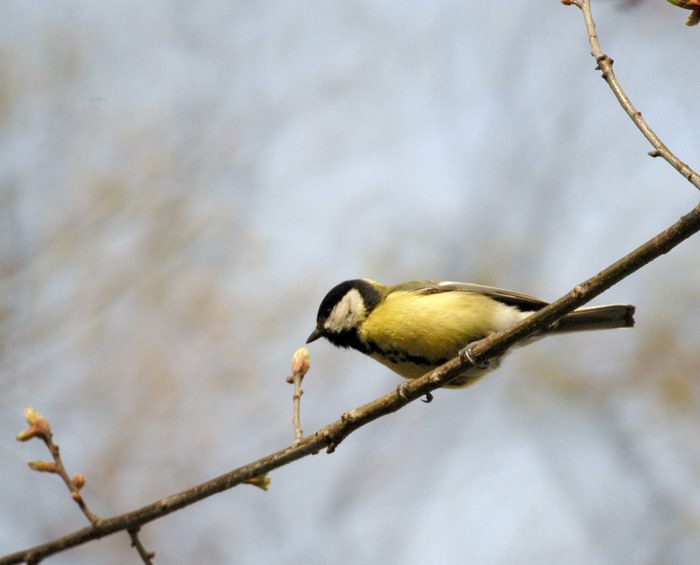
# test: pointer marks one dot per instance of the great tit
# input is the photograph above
(417, 326)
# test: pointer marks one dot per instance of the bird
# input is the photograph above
(416, 326)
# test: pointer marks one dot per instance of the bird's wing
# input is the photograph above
(524, 302)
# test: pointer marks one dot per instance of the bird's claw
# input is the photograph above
(402, 392)
(466, 354)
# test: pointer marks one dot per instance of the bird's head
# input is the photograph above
(343, 310)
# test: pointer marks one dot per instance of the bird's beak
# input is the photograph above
(314, 336)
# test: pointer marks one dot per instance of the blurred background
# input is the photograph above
(181, 183)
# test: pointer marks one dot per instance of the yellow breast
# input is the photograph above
(432, 326)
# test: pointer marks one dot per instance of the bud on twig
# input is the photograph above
(43, 466)
(26, 435)
(262, 482)
(300, 364)
(78, 481)
(38, 426)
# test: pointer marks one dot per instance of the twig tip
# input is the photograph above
(43, 466)
(38, 426)
(301, 361)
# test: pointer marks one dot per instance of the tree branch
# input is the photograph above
(39, 427)
(605, 65)
(145, 555)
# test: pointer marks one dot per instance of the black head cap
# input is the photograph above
(342, 309)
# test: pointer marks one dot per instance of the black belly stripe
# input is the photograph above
(395, 356)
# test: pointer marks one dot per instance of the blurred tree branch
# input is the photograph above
(330, 436)
(605, 65)
(40, 428)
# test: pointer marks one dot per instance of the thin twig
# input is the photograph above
(605, 65)
(146, 556)
(300, 366)
(330, 436)
(40, 427)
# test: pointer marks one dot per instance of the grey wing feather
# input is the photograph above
(587, 318)
(524, 302)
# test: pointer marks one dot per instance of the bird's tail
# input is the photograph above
(596, 318)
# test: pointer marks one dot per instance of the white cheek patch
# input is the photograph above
(347, 313)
